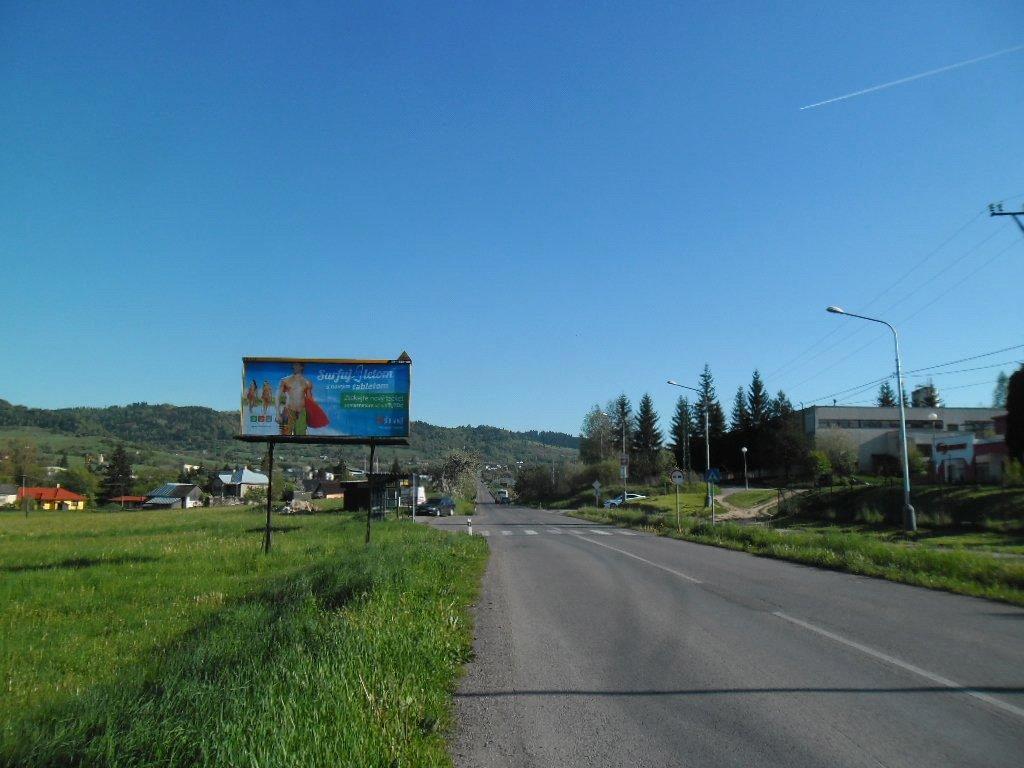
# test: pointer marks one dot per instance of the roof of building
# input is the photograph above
(128, 499)
(243, 476)
(7, 489)
(162, 501)
(172, 491)
(49, 494)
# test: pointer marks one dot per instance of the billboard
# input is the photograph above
(310, 400)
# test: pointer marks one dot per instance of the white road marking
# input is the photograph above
(598, 530)
(484, 533)
(530, 532)
(903, 665)
(674, 572)
(628, 533)
(506, 533)
(555, 531)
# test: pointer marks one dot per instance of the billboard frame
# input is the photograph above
(274, 440)
(402, 359)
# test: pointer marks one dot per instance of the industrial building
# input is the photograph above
(875, 433)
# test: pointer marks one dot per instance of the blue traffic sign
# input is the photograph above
(712, 475)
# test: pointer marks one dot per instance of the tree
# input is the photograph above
(886, 396)
(117, 479)
(79, 480)
(840, 450)
(341, 469)
(647, 438)
(20, 460)
(622, 418)
(926, 396)
(680, 432)
(999, 395)
(63, 460)
(707, 401)
(256, 495)
(455, 466)
(1015, 415)
(758, 403)
(786, 443)
(741, 421)
(596, 437)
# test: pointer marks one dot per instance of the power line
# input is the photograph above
(918, 265)
(913, 314)
(851, 390)
(892, 285)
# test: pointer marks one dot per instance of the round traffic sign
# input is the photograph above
(677, 476)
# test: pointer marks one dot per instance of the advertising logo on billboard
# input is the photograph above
(299, 399)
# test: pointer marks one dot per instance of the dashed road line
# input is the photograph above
(673, 571)
(944, 681)
(530, 532)
(599, 531)
(506, 533)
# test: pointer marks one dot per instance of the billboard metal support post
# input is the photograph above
(370, 484)
(270, 493)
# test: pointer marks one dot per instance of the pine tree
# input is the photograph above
(681, 432)
(117, 479)
(886, 396)
(707, 402)
(999, 395)
(758, 402)
(741, 421)
(647, 438)
(622, 418)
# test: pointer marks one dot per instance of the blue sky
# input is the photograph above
(545, 204)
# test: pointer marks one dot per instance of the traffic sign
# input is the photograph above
(624, 459)
(712, 475)
(624, 472)
(597, 485)
(677, 476)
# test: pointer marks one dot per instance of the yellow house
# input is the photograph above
(53, 498)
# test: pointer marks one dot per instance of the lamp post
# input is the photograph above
(746, 485)
(707, 447)
(623, 468)
(909, 517)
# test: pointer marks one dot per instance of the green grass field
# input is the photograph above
(168, 638)
(956, 570)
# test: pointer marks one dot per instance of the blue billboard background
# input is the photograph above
(312, 398)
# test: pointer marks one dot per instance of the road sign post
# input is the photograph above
(597, 493)
(678, 478)
(712, 476)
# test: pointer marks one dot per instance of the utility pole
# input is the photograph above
(24, 495)
(996, 209)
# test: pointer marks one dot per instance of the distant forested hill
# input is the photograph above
(195, 429)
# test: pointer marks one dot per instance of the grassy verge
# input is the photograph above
(167, 638)
(748, 499)
(961, 571)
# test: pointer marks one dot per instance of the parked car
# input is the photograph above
(447, 505)
(617, 501)
(431, 507)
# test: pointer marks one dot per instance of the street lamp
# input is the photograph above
(909, 517)
(707, 447)
(625, 457)
(746, 485)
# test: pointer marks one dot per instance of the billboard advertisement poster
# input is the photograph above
(323, 400)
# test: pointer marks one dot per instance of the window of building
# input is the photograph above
(952, 427)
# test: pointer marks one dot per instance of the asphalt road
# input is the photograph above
(601, 647)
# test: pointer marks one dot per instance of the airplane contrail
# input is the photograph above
(902, 80)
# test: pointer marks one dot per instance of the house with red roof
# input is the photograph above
(52, 498)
